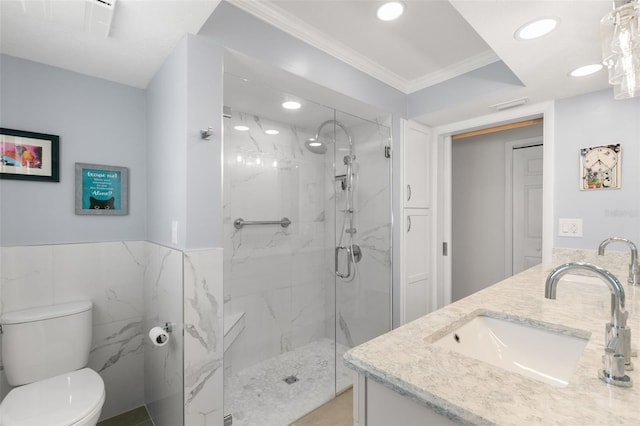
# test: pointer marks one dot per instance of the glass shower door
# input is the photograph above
(295, 298)
(362, 223)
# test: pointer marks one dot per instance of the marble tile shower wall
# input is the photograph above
(272, 274)
(203, 338)
(363, 305)
(109, 274)
(163, 366)
(134, 286)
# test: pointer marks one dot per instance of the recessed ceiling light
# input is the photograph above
(536, 29)
(291, 105)
(241, 128)
(315, 143)
(271, 132)
(390, 11)
(586, 70)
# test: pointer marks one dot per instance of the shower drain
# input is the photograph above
(290, 380)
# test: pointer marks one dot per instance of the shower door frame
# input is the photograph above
(388, 158)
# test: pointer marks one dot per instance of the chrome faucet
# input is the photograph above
(634, 269)
(617, 352)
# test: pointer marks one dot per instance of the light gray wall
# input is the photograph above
(590, 120)
(184, 172)
(204, 157)
(166, 152)
(478, 209)
(98, 122)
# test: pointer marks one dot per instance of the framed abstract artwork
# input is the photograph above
(29, 156)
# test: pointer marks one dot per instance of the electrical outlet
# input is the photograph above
(570, 227)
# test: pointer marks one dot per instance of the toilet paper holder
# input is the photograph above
(159, 335)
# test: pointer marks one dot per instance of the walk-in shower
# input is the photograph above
(346, 243)
(297, 296)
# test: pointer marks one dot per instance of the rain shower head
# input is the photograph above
(316, 146)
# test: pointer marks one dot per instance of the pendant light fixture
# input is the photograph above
(620, 30)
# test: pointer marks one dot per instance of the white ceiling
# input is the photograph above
(435, 40)
(143, 33)
(430, 44)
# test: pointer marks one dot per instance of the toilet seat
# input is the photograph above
(68, 399)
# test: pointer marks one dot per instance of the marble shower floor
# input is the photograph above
(259, 396)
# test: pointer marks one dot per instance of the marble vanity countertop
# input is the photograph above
(472, 392)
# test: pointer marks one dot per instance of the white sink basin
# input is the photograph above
(535, 350)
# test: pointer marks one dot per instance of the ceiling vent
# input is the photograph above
(92, 16)
(98, 15)
(510, 104)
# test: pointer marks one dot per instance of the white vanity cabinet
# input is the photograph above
(416, 161)
(417, 256)
(417, 291)
(377, 405)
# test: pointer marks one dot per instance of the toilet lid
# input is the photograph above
(57, 401)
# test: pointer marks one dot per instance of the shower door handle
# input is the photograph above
(348, 274)
(354, 254)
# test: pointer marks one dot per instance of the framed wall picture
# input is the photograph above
(600, 167)
(29, 155)
(102, 190)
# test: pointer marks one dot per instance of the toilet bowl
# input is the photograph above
(70, 399)
(45, 350)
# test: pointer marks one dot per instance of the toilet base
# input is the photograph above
(93, 417)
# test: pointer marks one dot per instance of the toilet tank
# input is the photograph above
(43, 342)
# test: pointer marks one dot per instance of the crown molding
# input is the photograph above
(292, 25)
(472, 63)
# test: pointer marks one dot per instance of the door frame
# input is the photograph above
(443, 134)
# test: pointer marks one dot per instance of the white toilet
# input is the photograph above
(44, 351)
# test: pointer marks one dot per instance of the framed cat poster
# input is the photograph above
(102, 190)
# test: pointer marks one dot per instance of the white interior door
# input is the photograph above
(444, 220)
(527, 207)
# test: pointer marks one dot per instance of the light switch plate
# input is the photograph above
(570, 228)
(174, 232)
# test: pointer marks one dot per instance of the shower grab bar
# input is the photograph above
(240, 222)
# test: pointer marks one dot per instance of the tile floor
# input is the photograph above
(259, 395)
(337, 412)
(136, 417)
